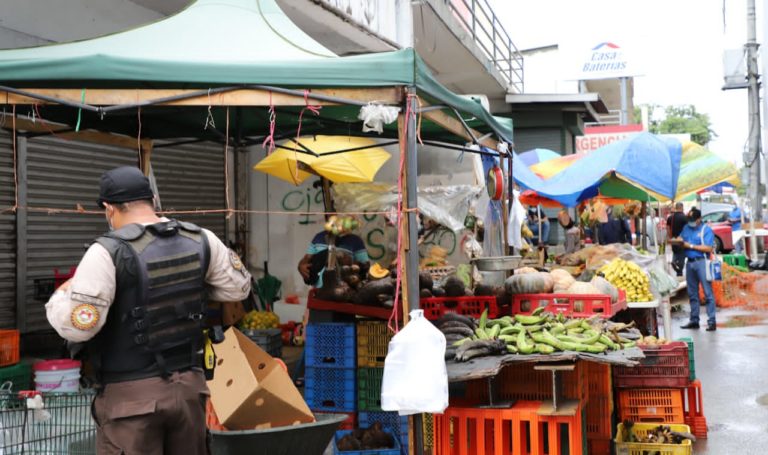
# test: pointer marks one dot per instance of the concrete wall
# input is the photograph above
(282, 239)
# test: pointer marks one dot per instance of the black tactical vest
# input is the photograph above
(154, 326)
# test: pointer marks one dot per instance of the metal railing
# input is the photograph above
(478, 19)
(613, 117)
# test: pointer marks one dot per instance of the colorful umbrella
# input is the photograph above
(550, 168)
(291, 166)
(701, 169)
(534, 156)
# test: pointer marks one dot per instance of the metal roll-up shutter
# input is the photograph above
(61, 175)
(191, 177)
(7, 236)
(538, 138)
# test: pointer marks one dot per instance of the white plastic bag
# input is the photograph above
(415, 378)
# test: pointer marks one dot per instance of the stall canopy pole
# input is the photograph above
(411, 185)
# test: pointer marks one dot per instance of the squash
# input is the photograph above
(581, 288)
(524, 270)
(529, 283)
(378, 272)
(605, 287)
(563, 280)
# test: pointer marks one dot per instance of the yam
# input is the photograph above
(369, 292)
(425, 281)
(454, 287)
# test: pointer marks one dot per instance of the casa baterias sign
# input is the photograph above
(605, 60)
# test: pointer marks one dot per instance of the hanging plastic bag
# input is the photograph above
(415, 378)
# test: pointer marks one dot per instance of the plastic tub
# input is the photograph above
(60, 375)
(305, 438)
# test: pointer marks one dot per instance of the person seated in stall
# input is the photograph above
(615, 230)
(571, 229)
(350, 249)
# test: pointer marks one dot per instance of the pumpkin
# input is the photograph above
(529, 283)
(378, 272)
(524, 270)
(563, 280)
(605, 287)
(579, 287)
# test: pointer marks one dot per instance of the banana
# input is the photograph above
(528, 320)
(522, 344)
(483, 319)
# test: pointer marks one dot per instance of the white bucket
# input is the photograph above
(57, 376)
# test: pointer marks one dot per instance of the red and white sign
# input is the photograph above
(598, 136)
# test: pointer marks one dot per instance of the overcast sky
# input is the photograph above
(678, 44)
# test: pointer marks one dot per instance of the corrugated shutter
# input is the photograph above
(7, 236)
(191, 177)
(62, 174)
(538, 138)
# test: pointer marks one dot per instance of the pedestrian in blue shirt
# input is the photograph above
(697, 240)
(735, 219)
(350, 249)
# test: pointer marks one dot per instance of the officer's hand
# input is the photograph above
(304, 269)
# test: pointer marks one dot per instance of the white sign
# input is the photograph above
(604, 60)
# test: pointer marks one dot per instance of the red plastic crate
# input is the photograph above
(652, 406)
(694, 400)
(570, 304)
(599, 446)
(434, 307)
(350, 423)
(698, 426)
(599, 408)
(663, 366)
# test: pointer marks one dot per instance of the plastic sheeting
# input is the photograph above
(643, 167)
(448, 205)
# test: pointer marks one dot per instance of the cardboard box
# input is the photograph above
(252, 390)
(225, 313)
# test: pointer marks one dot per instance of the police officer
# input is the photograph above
(137, 301)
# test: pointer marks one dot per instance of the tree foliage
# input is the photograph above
(679, 120)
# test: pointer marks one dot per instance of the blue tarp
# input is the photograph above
(646, 161)
(524, 177)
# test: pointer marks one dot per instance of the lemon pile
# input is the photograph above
(257, 320)
(628, 276)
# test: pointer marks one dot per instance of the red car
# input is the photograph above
(718, 221)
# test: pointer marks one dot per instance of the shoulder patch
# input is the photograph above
(85, 316)
(234, 259)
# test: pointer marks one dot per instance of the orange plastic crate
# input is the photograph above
(652, 406)
(518, 430)
(521, 382)
(9, 347)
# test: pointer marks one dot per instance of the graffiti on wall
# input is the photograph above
(307, 200)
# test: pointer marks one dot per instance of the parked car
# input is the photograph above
(718, 221)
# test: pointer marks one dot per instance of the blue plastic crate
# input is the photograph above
(331, 344)
(330, 389)
(389, 420)
(340, 434)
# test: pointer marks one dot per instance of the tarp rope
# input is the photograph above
(315, 109)
(269, 141)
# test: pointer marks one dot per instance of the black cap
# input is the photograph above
(694, 214)
(124, 184)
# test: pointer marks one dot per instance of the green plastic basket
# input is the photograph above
(691, 357)
(369, 389)
(17, 377)
(735, 260)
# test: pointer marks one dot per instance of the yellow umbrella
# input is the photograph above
(341, 166)
(291, 166)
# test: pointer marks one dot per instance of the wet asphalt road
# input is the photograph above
(732, 364)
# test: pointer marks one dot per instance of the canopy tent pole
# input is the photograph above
(644, 214)
(407, 123)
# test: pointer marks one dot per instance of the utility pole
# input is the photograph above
(753, 95)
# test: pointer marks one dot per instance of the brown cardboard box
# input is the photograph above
(252, 390)
(225, 313)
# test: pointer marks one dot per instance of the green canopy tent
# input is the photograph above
(213, 71)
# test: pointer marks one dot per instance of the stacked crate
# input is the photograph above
(330, 372)
(661, 390)
(372, 344)
(599, 408)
